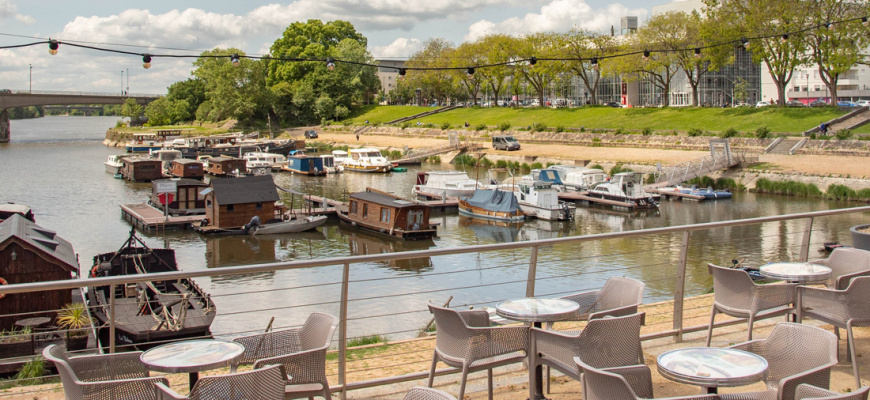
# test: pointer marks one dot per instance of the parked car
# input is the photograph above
(818, 103)
(863, 103)
(795, 103)
(844, 103)
(505, 142)
(310, 134)
(762, 104)
(614, 104)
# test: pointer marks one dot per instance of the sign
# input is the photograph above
(166, 187)
(624, 88)
(165, 198)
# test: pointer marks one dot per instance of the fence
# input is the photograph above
(392, 304)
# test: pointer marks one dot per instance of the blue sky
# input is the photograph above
(395, 28)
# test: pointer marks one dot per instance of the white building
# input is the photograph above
(806, 85)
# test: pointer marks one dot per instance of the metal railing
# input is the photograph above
(514, 270)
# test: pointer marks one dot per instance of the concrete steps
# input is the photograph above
(784, 146)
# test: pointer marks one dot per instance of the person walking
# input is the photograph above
(824, 129)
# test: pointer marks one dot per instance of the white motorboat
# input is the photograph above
(583, 179)
(340, 157)
(627, 188)
(255, 160)
(540, 199)
(291, 226)
(114, 164)
(445, 184)
(330, 165)
(367, 160)
(166, 156)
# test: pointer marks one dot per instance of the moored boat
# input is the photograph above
(330, 165)
(260, 159)
(307, 165)
(113, 164)
(708, 193)
(290, 226)
(538, 198)
(367, 160)
(625, 189)
(143, 142)
(445, 184)
(387, 214)
(493, 204)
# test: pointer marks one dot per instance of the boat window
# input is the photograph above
(353, 208)
(373, 154)
(385, 215)
(259, 206)
(365, 210)
(231, 208)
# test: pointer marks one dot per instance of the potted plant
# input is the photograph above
(75, 320)
(860, 236)
(16, 343)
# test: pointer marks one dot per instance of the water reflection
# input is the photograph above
(491, 231)
(361, 243)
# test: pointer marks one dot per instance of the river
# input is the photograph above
(55, 165)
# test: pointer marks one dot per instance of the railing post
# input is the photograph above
(805, 244)
(342, 332)
(679, 287)
(111, 319)
(533, 266)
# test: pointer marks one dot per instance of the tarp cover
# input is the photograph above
(494, 200)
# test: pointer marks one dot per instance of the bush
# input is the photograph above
(485, 162)
(617, 169)
(647, 131)
(406, 125)
(480, 127)
(763, 132)
(694, 132)
(539, 127)
(582, 129)
(445, 125)
(596, 166)
(560, 128)
(434, 159)
(525, 167)
(618, 131)
(790, 188)
(840, 192)
(537, 165)
(813, 136)
(844, 134)
(504, 126)
(501, 164)
(730, 132)
(430, 125)
(120, 124)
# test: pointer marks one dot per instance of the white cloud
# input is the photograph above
(25, 19)
(8, 9)
(558, 15)
(400, 48)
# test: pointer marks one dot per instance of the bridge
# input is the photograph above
(27, 98)
(721, 157)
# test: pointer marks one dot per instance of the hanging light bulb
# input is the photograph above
(830, 26)
(745, 42)
(52, 46)
(235, 60)
(784, 38)
(864, 21)
(146, 61)
(533, 60)
(401, 73)
(646, 55)
(698, 52)
(330, 64)
(595, 63)
(470, 73)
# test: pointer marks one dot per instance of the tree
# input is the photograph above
(494, 50)
(131, 109)
(835, 51)
(436, 83)
(158, 112)
(234, 91)
(675, 32)
(467, 55)
(539, 74)
(192, 92)
(583, 46)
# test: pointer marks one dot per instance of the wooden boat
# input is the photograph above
(226, 166)
(186, 168)
(150, 311)
(493, 204)
(140, 169)
(387, 214)
(143, 142)
(261, 159)
(290, 226)
(185, 201)
(299, 163)
(366, 160)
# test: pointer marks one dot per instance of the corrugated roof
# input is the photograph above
(43, 239)
(383, 199)
(248, 189)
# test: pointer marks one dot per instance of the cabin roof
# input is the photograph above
(137, 160)
(39, 238)
(186, 161)
(220, 159)
(384, 199)
(181, 182)
(248, 189)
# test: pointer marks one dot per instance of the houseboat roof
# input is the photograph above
(384, 199)
(220, 159)
(186, 161)
(135, 160)
(181, 182)
(41, 239)
(247, 189)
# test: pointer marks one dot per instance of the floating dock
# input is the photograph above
(325, 206)
(585, 197)
(146, 217)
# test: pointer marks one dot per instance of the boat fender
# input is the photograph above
(3, 282)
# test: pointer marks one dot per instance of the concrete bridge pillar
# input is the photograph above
(5, 130)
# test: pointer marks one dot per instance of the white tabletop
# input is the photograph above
(712, 366)
(796, 272)
(536, 310)
(192, 355)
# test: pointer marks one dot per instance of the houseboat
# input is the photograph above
(140, 169)
(113, 164)
(143, 143)
(233, 145)
(387, 214)
(186, 168)
(538, 198)
(299, 163)
(226, 166)
(233, 203)
(624, 190)
(166, 156)
(367, 160)
(148, 312)
(445, 184)
(259, 159)
(186, 200)
(9, 209)
(330, 165)
(494, 204)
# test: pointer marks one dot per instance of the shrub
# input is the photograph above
(537, 165)
(480, 127)
(791, 188)
(695, 132)
(646, 131)
(434, 159)
(596, 142)
(863, 194)
(395, 155)
(539, 127)
(485, 162)
(504, 126)
(501, 164)
(763, 132)
(840, 192)
(525, 167)
(844, 134)
(596, 166)
(617, 169)
(430, 125)
(813, 136)
(618, 131)
(464, 159)
(120, 124)
(582, 129)
(560, 128)
(730, 132)
(445, 125)
(406, 125)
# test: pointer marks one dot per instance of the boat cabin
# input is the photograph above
(186, 168)
(231, 203)
(389, 214)
(141, 169)
(308, 165)
(186, 200)
(30, 253)
(9, 209)
(166, 156)
(223, 165)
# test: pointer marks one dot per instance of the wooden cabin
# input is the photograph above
(231, 203)
(223, 166)
(186, 168)
(187, 199)
(388, 214)
(141, 169)
(30, 253)
(307, 165)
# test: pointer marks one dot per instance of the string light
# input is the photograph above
(595, 63)
(864, 21)
(829, 25)
(784, 38)
(330, 63)
(146, 61)
(401, 73)
(697, 52)
(646, 55)
(470, 73)
(52, 46)
(533, 60)
(235, 60)
(745, 42)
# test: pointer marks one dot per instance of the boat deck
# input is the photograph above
(585, 197)
(146, 217)
(672, 195)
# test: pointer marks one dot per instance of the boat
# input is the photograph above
(625, 189)
(141, 169)
(186, 168)
(148, 312)
(232, 144)
(538, 198)
(367, 160)
(143, 142)
(9, 209)
(387, 214)
(340, 157)
(114, 164)
(494, 204)
(300, 163)
(166, 157)
(708, 193)
(330, 165)
(226, 166)
(185, 200)
(445, 184)
(291, 226)
(398, 169)
(257, 159)
(583, 179)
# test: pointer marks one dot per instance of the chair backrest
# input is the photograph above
(68, 377)
(805, 391)
(846, 260)
(731, 287)
(451, 332)
(794, 348)
(620, 292)
(423, 393)
(318, 331)
(611, 341)
(603, 385)
(858, 293)
(266, 384)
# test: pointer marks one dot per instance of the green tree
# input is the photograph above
(835, 51)
(675, 32)
(583, 45)
(158, 112)
(436, 84)
(494, 50)
(539, 75)
(131, 109)
(192, 92)
(234, 91)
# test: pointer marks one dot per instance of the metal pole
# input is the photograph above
(805, 243)
(679, 288)
(533, 266)
(31, 78)
(112, 318)
(128, 82)
(342, 333)
(122, 82)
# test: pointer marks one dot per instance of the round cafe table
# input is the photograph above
(798, 272)
(712, 367)
(192, 356)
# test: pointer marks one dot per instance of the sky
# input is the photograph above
(394, 28)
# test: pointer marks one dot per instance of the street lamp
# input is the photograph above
(122, 82)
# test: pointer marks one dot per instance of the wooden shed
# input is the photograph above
(141, 169)
(223, 165)
(186, 168)
(231, 203)
(30, 253)
(187, 199)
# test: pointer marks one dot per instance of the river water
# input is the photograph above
(55, 165)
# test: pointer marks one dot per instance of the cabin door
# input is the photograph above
(187, 198)
(415, 220)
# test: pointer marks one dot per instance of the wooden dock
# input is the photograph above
(675, 195)
(584, 197)
(146, 217)
(325, 206)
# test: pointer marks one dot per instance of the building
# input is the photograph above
(806, 85)
(232, 202)
(388, 73)
(30, 253)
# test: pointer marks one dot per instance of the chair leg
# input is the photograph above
(489, 382)
(751, 322)
(547, 379)
(851, 343)
(462, 382)
(432, 370)
(710, 328)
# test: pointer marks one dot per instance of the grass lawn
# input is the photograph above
(380, 114)
(789, 120)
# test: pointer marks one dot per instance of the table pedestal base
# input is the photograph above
(712, 390)
(193, 377)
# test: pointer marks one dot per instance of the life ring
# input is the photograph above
(3, 282)
(94, 271)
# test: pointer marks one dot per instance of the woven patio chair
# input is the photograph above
(840, 308)
(846, 263)
(258, 384)
(302, 352)
(735, 294)
(107, 376)
(421, 393)
(805, 391)
(604, 343)
(465, 340)
(623, 383)
(795, 354)
(618, 296)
